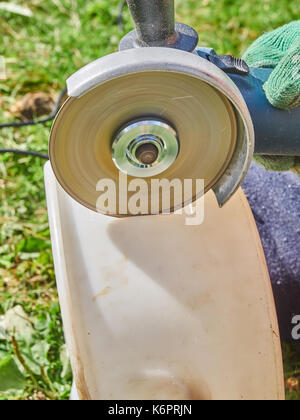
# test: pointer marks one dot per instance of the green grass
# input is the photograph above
(41, 52)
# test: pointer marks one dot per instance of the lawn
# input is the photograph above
(41, 51)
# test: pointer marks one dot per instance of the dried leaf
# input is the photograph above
(33, 105)
(292, 384)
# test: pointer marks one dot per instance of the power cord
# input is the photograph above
(24, 153)
(53, 114)
(41, 121)
(33, 122)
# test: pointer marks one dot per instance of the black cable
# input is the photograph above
(25, 153)
(50, 117)
(33, 122)
(120, 15)
(55, 109)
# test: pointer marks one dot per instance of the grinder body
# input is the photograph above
(133, 80)
(276, 130)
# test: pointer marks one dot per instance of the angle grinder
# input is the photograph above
(160, 108)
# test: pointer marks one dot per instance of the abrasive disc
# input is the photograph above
(84, 130)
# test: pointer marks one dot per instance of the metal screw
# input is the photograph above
(147, 153)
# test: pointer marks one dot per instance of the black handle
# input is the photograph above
(154, 21)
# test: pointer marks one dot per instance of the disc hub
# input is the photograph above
(145, 148)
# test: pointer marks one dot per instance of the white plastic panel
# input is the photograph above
(154, 309)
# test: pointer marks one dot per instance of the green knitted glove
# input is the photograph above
(280, 50)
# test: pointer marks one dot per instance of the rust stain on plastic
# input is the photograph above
(81, 385)
(103, 293)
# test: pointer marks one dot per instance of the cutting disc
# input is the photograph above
(84, 131)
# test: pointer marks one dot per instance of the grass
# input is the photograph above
(41, 52)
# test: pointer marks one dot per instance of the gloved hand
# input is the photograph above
(280, 50)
